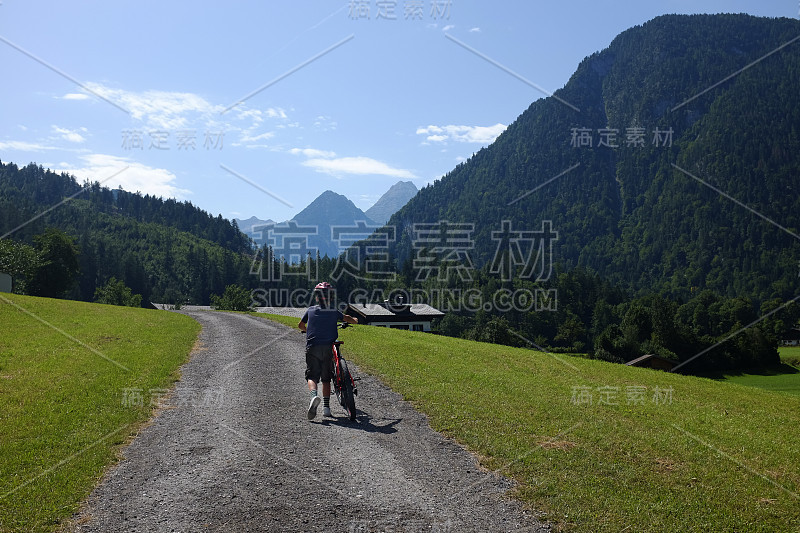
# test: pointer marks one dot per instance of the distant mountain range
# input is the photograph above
(246, 225)
(328, 225)
(391, 202)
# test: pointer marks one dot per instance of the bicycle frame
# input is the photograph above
(343, 382)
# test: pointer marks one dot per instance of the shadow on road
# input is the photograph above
(364, 422)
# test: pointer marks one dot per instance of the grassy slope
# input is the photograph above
(719, 456)
(63, 412)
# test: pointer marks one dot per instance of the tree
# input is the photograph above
(114, 292)
(19, 261)
(58, 264)
(235, 298)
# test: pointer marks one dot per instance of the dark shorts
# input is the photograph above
(318, 362)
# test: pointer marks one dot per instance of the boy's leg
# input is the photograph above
(312, 377)
(312, 407)
(326, 398)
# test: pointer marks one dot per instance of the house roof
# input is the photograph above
(377, 311)
(792, 334)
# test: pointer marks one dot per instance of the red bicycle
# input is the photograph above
(343, 382)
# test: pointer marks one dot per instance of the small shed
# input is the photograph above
(413, 317)
(791, 337)
(653, 361)
(6, 283)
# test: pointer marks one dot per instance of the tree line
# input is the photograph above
(163, 250)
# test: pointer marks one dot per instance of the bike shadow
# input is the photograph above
(365, 422)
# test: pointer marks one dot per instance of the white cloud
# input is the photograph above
(325, 123)
(357, 165)
(137, 178)
(475, 30)
(70, 135)
(257, 115)
(467, 134)
(159, 109)
(24, 146)
(448, 27)
(75, 96)
(172, 111)
(312, 152)
(273, 112)
(246, 138)
(253, 114)
(326, 162)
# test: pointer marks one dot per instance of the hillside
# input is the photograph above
(392, 200)
(699, 211)
(165, 250)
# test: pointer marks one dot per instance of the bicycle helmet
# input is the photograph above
(322, 293)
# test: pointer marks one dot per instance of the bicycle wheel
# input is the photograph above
(348, 399)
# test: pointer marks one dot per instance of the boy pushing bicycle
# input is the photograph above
(320, 325)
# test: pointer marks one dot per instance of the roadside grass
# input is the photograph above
(599, 446)
(65, 407)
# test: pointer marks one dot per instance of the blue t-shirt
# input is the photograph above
(321, 325)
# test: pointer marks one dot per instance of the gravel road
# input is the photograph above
(233, 451)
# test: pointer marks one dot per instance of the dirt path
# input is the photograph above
(236, 453)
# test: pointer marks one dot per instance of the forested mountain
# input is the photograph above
(391, 201)
(165, 250)
(660, 169)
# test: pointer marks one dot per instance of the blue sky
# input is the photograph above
(256, 108)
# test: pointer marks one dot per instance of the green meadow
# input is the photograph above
(784, 378)
(75, 385)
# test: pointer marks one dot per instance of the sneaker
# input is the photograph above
(326, 412)
(312, 407)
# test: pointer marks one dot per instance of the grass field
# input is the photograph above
(790, 355)
(72, 376)
(785, 378)
(599, 446)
